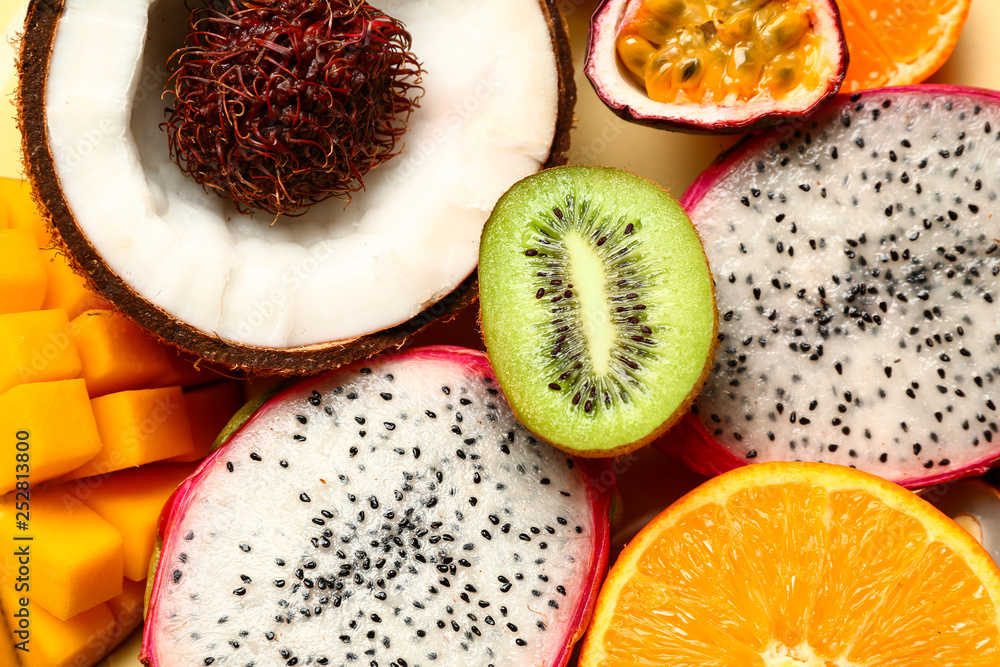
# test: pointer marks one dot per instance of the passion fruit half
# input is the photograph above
(715, 65)
(337, 283)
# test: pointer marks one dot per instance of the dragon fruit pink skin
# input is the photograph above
(771, 194)
(574, 611)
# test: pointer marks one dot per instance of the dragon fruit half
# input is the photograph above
(856, 258)
(391, 512)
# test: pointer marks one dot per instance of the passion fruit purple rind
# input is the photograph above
(721, 66)
(856, 266)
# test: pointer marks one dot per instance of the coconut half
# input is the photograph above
(698, 30)
(341, 281)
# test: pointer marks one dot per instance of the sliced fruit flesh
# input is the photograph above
(22, 272)
(397, 473)
(812, 570)
(722, 50)
(336, 272)
(894, 42)
(36, 347)
(858, 281)
(79, 553)
(597, 306)
(138, 427)
(54, 425)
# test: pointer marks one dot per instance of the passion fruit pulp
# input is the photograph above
(715, 65)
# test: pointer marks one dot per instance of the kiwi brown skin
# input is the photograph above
(683, 407)
(33, 69)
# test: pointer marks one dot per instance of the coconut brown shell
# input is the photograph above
(33, 67)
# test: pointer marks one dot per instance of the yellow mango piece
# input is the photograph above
(22, 212)
(22, 272)
(186, 371)
(127, 609)
(209, 410)
(65, 288)
(138, 427)
(73, 560)
(36, 347)
(8, 657)
(52, 428)
(118, 356)
(131, 500)
(50, 642)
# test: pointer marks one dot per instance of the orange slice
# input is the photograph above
(799, 565)
(898, 42)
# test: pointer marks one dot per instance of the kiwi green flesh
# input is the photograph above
(597, 307)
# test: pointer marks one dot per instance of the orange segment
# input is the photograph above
(899, 42)
(787, 564)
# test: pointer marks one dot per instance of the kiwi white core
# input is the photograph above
(487, 118)
(587, 270)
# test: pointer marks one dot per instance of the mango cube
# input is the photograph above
(22, 272)
(117, 356)
(65, 288)
(50, 642)
(36, 347)
(131, 501)
(105, 340)
(7, 655)
(127, 609)
(209, 410)
(21, 210)
(54, 429)
(138, 427)
(74, 559)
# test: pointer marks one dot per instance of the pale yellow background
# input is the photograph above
(671, 159)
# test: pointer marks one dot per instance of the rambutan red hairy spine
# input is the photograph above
(280, 104)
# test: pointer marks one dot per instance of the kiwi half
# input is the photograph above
(598, 307)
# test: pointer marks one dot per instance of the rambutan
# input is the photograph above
(284, 103)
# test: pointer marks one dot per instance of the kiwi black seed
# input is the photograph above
(597, 307)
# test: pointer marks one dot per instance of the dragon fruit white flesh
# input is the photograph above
(392, 513)
(856, 259)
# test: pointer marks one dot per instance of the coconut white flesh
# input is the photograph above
(487, 118)
(467, 545)
(858, 290)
